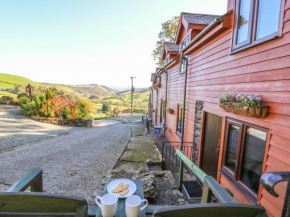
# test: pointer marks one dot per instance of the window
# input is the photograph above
(243, 156)
(183, 45)
(256, 21)
(167, 59)
(179, 120)
(162, 111)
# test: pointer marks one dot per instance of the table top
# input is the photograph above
(121, 202)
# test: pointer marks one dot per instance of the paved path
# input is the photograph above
(18, 130)
(74, 164)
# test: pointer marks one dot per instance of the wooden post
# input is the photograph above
(132, 90)
(181, 165)
(206, 194)
(37, 185)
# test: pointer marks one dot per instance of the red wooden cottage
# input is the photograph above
(245, 51)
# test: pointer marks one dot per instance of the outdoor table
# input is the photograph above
(121, 201)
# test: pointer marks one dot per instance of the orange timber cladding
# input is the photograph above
(214, 68)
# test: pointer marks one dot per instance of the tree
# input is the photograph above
(106, 108)
(18, 89)
(167, 33)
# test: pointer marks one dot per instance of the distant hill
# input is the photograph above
(137, 90)
(8, 81)
(11, 80)
(92, 89)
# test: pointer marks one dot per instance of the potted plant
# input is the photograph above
(244, 104)
(170, 110)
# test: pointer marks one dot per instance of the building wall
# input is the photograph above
(153, 103)
(161, 93)
(262, 69)
(175, 96)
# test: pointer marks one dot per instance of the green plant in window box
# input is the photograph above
(170, 110)
(244, 104)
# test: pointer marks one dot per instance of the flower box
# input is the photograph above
(170, 110)
(259, 111)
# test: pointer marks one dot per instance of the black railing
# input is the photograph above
(145, 123)
(170, 161)
(270, 180)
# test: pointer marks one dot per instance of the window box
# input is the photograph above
(170, 110)
(259, 111)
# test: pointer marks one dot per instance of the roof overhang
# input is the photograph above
(184, 26)
(165, 52)
(212, 30)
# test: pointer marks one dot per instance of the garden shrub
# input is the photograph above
(84, 107)
(21, 95)
(23, 100)
(30, 109)
(49, 94)
(67, 113)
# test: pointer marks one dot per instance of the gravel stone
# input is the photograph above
(73, 165)
(18, 130)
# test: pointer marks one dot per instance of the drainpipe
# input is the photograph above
(156, 110)
(184, 98)
(150, 103)
(166, 73)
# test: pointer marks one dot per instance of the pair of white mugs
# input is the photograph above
(109, 204)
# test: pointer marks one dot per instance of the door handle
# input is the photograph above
(218, 147)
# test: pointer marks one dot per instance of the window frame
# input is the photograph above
(162, 111)
(181, 120)
(235, 177)
(183, 62)
(167, 59)
(251, 41)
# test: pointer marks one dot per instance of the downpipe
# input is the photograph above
(184, 57)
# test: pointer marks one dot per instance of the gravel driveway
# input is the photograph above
(17, 130)
(74, 164)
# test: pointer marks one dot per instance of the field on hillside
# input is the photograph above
(6, 85)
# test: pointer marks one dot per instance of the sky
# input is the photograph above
(87, 41)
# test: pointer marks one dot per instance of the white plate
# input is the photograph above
(112, 185)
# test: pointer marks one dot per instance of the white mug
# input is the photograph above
(133, 206)
(108, 204)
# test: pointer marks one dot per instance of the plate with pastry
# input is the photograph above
(122, 188)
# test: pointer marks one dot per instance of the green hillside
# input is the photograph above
(14, 79)
(97, 94)
(92, 89)
(59, 87)
(6, 85)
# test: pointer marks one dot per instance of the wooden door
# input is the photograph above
(211, 143)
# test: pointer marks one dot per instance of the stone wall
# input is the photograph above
(77, 122)
(197, 126)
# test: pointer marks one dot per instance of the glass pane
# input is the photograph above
(183, 66)
(244, 17)
(268, 18)
(253, 158)
(180, 113)
(232, 147)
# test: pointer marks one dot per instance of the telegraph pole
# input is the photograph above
(132, 90)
